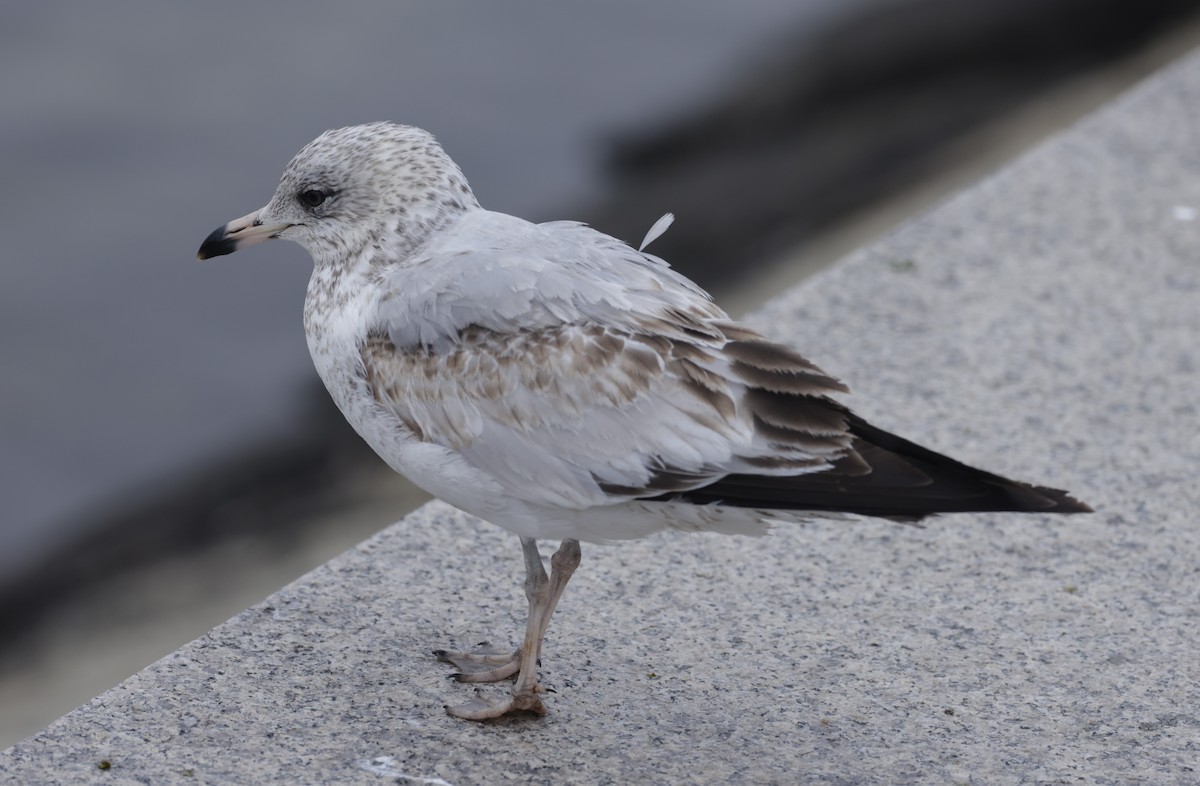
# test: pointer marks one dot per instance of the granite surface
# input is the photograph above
(1043, 324)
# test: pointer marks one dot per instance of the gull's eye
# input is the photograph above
(314, 197)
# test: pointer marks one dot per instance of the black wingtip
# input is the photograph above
(1062, 502)
(905, 482)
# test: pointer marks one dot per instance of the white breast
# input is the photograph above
(336, 318)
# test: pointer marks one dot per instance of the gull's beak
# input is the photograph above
(239, 233)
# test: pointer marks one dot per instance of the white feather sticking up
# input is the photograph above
(660, 226)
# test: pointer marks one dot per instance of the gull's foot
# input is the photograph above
(480, 709)
(484, 665)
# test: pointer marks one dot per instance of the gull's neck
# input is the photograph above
(342, 292)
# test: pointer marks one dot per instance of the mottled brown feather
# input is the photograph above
(826, 458)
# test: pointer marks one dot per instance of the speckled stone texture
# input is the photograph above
(1044, 324)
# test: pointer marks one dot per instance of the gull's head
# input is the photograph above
(381, 185)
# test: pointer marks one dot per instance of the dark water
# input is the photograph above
(129, 130)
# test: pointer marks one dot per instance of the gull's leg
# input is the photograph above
(562, 567)
(543, 594)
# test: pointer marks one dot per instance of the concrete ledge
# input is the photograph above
(1043, 324)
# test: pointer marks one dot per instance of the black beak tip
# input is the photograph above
(217, 244)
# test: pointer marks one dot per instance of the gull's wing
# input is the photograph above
(577, 371)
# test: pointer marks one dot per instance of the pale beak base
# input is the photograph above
(239, 233)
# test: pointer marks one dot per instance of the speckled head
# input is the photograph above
(379, 185)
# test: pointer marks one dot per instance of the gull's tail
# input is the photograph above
(906, 482)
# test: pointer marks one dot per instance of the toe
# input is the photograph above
(483, 674)
(483, 666)
(481, 709)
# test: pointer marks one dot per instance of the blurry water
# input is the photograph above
(129, 130)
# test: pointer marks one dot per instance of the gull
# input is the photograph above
(561, 384)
